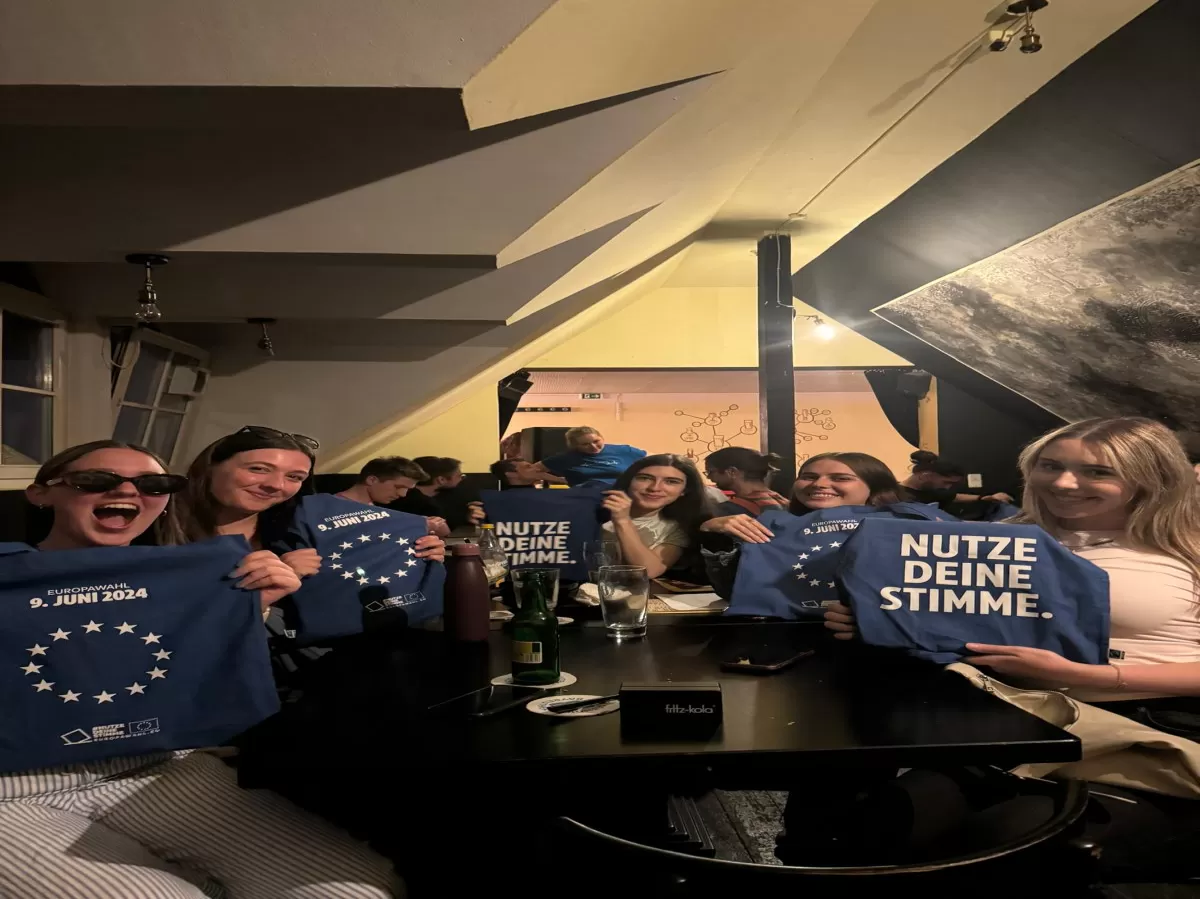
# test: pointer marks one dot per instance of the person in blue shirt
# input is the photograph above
(168, 825)
(589, 460)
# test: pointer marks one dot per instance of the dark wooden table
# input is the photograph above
(844, 707)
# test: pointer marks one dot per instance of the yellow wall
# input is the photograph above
(716, 327)
(466, 431)
(828, 421)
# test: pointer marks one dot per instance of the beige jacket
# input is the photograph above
(1116, 750)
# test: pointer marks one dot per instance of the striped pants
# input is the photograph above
(163, 827)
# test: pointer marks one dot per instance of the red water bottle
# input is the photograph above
(468, 605)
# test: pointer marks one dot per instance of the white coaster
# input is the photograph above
(501, 615)
(563, 619)
(565, 679)
(538, 706)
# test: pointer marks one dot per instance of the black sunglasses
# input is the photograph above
(104, 481)
(308, 443)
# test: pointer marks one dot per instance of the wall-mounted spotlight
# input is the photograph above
(1022, 12)
(148, 311)
(264, 343)
(823, 330)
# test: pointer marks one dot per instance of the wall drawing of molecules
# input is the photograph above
(716, 437)
(809, 420)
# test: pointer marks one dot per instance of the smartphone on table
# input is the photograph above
(488, 701)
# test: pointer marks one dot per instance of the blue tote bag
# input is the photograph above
(370, 577)
(545, 528)
(932, 587)
(127, 651)
(793, 576)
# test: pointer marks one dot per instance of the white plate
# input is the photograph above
(538, 706)
(565, 679)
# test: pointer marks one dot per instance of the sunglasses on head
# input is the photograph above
(308, 443)
(104, 481)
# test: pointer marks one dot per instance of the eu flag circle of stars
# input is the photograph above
(39, 659)
(357, 574)
(818, 553)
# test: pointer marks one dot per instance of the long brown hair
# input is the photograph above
(166, 529)
(1164, 511)
(874, 473)
(198, 506)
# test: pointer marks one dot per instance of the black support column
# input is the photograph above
(776, 382)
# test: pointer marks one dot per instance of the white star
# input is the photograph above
(363, 580)
(92, 628)
(385, 580)
(135, 687)
(69, 696)
(834, 545)
(125, 628)
(814, 581)
(346, 546)
(364, 538)
(803, 555)
(335, 566)
(411, 562)
(335, 555)
(401, 573)
(103, 696)
(403, 541)
(347, 576)
(32, 668)
(384, 536)
(816, 549)
(43, 685)
(162, 655)
(411, 551)
(799, 577)
(831, 583)
(37, 649)
(797, 567)
(60, 634)
(150, 638)
(156, 673)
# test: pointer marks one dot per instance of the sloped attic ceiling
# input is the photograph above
(440, 160)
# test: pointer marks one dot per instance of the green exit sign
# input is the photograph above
(589, 396)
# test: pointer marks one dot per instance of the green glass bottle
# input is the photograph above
(535, 632)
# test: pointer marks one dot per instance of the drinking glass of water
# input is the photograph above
(601, 553)
(526, 580)
(624, 594)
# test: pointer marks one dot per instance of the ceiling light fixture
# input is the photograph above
(823, 330)
(1022, 12)
(264, 343)
(148, 311)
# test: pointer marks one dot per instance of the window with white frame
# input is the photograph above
(30, 378)
(156, 383)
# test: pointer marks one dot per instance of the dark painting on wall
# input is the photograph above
(1097, 316)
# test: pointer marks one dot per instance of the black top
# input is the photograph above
(927, 495)
(448, 504)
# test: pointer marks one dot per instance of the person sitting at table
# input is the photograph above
(825, 481)
(933, 482)
(741, 473)
(383, 481)
(440, 495)
(169, 825)
(1119, 492)
(655, 509)
(589, 460)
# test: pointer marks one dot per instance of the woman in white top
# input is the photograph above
(656, 507)
(1122, 494)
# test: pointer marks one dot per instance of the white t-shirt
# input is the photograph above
(1154, 606)
(656, 531)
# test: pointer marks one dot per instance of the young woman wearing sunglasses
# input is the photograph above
(169, 825)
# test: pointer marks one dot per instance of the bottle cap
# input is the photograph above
(488, 527)
(464, 549)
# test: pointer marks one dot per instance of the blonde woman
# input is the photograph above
(1121, 493)
(589, 459)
